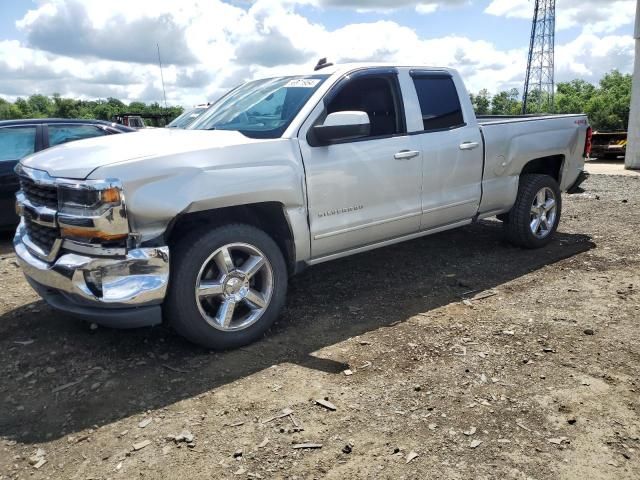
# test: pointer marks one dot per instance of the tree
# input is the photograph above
(606, 105)
(8, 110)
(573, 96)
(24, 108)
(481, 102)
(114, 102)
(40, 106)
(86, 108)
(609, 107)
(64, 107)
(538, 102)
(103, 111)
(137, 107)
(506, 103)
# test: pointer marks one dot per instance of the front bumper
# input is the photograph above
(124, 292)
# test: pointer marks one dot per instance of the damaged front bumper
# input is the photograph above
(122, 292)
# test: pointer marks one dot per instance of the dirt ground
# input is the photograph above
(538, 381)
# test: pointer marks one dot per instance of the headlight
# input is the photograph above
(88, 199)
(93, 211)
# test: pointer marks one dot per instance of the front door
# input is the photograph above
(363, 191)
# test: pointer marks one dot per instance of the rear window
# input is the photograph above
(17, 142)
(439, 103)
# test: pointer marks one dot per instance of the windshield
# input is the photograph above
(262, 108)
(187, 117)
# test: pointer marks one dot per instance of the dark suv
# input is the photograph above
(19, 138)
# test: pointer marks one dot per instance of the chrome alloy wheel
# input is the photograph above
(543, 213)
(234, 287)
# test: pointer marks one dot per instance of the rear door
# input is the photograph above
(452, 150)
(16, 142)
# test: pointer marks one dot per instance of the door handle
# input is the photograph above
(469, 145)
(406, 155)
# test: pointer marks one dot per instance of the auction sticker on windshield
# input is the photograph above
(303, 83)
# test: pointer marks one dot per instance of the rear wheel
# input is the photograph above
(534, 218)
(227, 286)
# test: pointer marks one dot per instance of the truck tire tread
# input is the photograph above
(516, 223)
(180, 309)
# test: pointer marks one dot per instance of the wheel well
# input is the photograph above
(551, 166)
(268, 217)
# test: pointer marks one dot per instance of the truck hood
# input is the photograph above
(78, 159)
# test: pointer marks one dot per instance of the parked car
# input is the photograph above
(279, 175)
(188, 117)
(19, 138)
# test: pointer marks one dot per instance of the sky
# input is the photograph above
(98, 49)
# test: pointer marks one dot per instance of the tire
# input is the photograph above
(199, 263)
(519, 223)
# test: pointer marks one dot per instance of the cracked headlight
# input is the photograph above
(92, 210)
(87, 200)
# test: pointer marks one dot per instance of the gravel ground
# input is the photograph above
(537, 377)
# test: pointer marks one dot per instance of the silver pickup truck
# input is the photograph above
(202, 227)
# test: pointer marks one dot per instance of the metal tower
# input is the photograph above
(539, 83)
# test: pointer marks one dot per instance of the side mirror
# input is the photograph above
(342, 126)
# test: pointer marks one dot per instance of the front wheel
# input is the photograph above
(227, 286)
(534, 218)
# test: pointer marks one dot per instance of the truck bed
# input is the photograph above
(511, 142)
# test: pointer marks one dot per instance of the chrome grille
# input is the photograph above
(45, 234)
(43, 237)
(38, 194)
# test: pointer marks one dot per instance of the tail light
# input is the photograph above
(588, 143)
